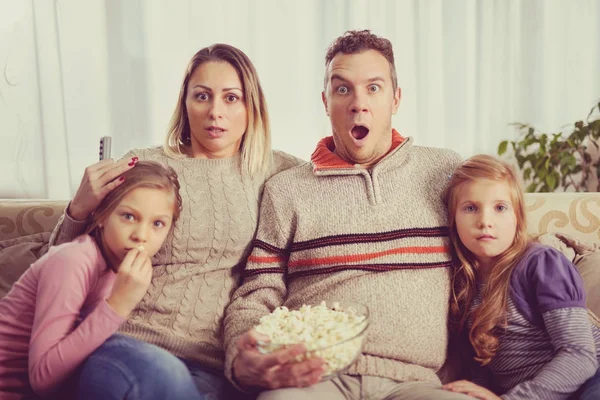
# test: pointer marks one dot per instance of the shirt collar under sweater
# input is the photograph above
(326, 162)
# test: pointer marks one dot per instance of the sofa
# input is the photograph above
(567, 221)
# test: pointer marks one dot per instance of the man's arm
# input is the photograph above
(263, 289)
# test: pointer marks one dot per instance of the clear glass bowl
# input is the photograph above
(338, 356)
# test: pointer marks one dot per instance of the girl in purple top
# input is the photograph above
(522, 304)
(76, 296)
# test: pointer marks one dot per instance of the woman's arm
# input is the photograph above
(98, 180)
(56, 348)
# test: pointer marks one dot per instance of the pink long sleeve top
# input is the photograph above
(54, 317)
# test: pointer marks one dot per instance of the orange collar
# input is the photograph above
(324, 158)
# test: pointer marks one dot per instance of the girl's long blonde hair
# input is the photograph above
(490, 315)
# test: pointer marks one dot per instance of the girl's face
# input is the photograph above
(485, 219)
(142, 218)
(216, 110)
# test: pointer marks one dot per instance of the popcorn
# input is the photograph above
(141, 248)
(320, 329)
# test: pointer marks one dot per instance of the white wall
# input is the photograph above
(73, 71)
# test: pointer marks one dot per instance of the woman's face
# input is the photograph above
(216, 109)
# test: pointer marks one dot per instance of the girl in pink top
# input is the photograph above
(76, 296)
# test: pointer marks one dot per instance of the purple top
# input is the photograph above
(548, 348)
(545, 280)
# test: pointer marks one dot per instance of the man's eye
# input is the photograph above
(342, 90)
(374, 88)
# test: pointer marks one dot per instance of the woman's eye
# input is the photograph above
(128, 217)
(373, 88)
(342, 90)
(470, 208)
(501, 207)
(202, 96)
(232, 98)
(159, 224)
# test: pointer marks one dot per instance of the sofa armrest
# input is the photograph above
(26, 217)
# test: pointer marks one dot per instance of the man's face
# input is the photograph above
(360, 101)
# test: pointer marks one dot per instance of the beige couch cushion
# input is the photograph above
(573, 214)
(21, 218)
(16, 255)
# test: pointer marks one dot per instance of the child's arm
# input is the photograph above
(56, 349)
(559, 293)
(574, 361)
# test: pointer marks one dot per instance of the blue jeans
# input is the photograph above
(591, 388)
(124, 367)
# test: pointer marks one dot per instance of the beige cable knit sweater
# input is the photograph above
(195, 272)
(377, 237)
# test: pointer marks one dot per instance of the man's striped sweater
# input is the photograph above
(333, 231)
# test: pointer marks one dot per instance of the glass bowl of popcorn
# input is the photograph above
(334, 331)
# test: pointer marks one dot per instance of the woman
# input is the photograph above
(219, 145)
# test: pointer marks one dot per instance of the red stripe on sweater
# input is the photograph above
(368, 256)
(265, 260)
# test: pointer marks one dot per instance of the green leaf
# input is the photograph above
(502, 147)
(531, 188)
(541, 173)
(551, 181)
(527, 173)
(543, 141)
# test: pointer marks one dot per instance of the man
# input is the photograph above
(362, 222)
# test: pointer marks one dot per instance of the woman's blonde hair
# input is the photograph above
(256, 142)
(490, 315)
(145, 174)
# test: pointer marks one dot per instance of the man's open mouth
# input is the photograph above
(359, 132)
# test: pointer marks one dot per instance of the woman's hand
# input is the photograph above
(470, 389)
(131, 283)
(276, 370)
(98, 180)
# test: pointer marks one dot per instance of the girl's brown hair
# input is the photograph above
(490, 315)
(256, 143)
(145, 174)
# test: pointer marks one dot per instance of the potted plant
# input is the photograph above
(549, 161)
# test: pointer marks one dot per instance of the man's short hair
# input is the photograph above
(353, 42)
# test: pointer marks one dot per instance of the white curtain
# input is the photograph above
(73, 71)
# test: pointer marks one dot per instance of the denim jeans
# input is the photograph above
(124, 367)
(591, 388)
